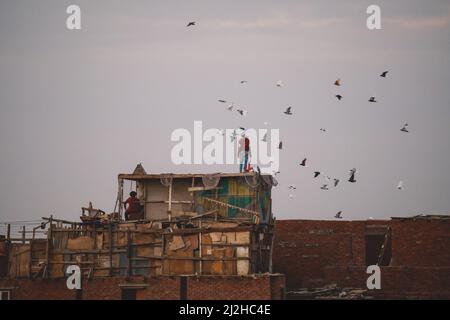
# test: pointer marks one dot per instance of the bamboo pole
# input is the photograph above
(110, 249)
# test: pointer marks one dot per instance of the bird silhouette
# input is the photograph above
(288, 111)
(280, 145)
(324, 187)
(279, 83)
(316, 174)
(338, 215)
(323, 130)
(339, 97)
(400, 186)
(372, 99)
(336, 182)
(337, 82)
(303, 163)
(264, 139)
(222, 101)
(352, 176)
(192, 23)
(242, 112)
(244, 81)
(292, 187)
(405, 128)
(384, 74)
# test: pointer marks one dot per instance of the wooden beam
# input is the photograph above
(110, 249)
(195, 189)
(169, 210)
(23, 234)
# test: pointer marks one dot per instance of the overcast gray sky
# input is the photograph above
(79, 107)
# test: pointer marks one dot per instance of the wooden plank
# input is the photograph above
(196, 189)
(110, 247)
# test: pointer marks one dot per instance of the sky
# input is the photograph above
(78, 107)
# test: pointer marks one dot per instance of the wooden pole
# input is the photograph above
(271, 253)
(23, 234)
(129, 253)
(8, 232)
(110, 249)
(200, 249)
(47, 251)
(169, 211)
(30, 262)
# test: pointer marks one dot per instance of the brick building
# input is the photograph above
(196, 237)
(413, 254)
(214, 237)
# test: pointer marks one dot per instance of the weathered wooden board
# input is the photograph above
(80, 243)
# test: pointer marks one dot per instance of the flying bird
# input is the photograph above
(222, 101)
(288, 111)
(264, 139)
(323, 130)
(243, 81)
(242, 128)
(233, 135)
(303, 163)
(336, 182)
(292, 187)
(316, 174)
(352, 176)
(338, 215)
(242, 112)
(400, 186)
(279, 83)
(192, 23)
(337, 82)
(405, 128)
(384, 74)
(324, 187)
(372, 99)
(280, 145)
(339, 97)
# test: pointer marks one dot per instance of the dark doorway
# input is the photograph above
(128, 294)
(378, 249)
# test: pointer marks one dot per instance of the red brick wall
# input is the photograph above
(155, 288)
(421, 243)
(25, 289)
(228, 288)
(317, 253)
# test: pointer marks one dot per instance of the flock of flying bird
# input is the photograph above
(289, 112)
